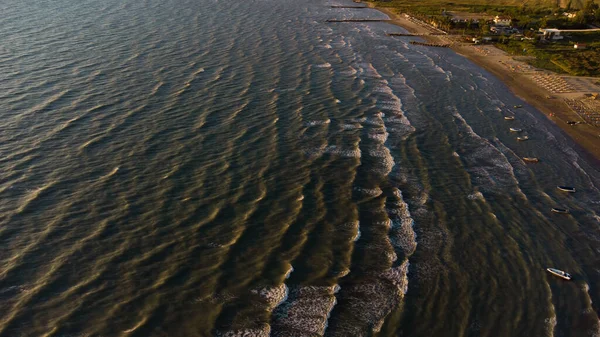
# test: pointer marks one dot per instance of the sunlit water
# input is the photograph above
(242, 168)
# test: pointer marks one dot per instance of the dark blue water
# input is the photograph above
(242, 168)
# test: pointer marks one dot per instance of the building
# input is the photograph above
(580, 46)
(502, 20)
(551, 34)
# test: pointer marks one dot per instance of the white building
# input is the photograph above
(502, 21)
(551, 33)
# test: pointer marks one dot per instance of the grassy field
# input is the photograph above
(561, 56)
(529, 15)
(433, 7)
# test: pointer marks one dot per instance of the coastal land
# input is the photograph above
(566, 100)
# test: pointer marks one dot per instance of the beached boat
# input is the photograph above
(566, 188)
(509, 118)
(523, 138)
(559, 273)
(518, 106)
(560, 210)
(531, 159)
(515, 130)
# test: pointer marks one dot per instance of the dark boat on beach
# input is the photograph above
(566, 188)
(560, 210)
(522, 138)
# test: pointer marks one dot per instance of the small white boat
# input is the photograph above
(509, 118)
(531, 159)
(566, 188)
(515, 130)
(559, 273)
(518, 106)
(560, 210)
(523, 138)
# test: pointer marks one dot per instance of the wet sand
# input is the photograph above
(519, 77)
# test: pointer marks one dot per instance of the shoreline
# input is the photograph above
(586, 136)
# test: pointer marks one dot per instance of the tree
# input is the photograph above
(590, 7)
(581, 18)
(569, 5)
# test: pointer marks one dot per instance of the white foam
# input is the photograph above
(476, 196)
(380, 137)
(351, 126)
(318, 122)
(265, 331)
(272, 295)
(373, 192)
(323, 65)
(306, 310)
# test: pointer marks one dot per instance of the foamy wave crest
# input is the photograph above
(374, 121)
(357, 120)
(402, 234)
(391, 104)
(383, 89)
(400, 119)
(380, 151)
(318, 122)
(273, 296)
(323, 65)
(370, 300)
(350, 153)
(351, 71)
(305, 312)
(476, 196)
(347, 126)
(315, 152)
(488, 166)
(368, 70)
(373, 192)
(264, 331)
(380, 137)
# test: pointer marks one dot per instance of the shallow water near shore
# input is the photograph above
(242, 168)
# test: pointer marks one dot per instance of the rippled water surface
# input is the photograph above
(242, 168)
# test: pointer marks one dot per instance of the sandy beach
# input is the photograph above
(560, 98)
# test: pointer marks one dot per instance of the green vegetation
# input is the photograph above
(528, 16)
(524, 14)
(560, 56)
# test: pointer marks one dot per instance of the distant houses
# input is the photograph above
(579, 46)
(502, 21)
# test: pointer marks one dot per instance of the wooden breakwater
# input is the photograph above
(356, 20)
(413, 34)
(428, 44)
(342, 6)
